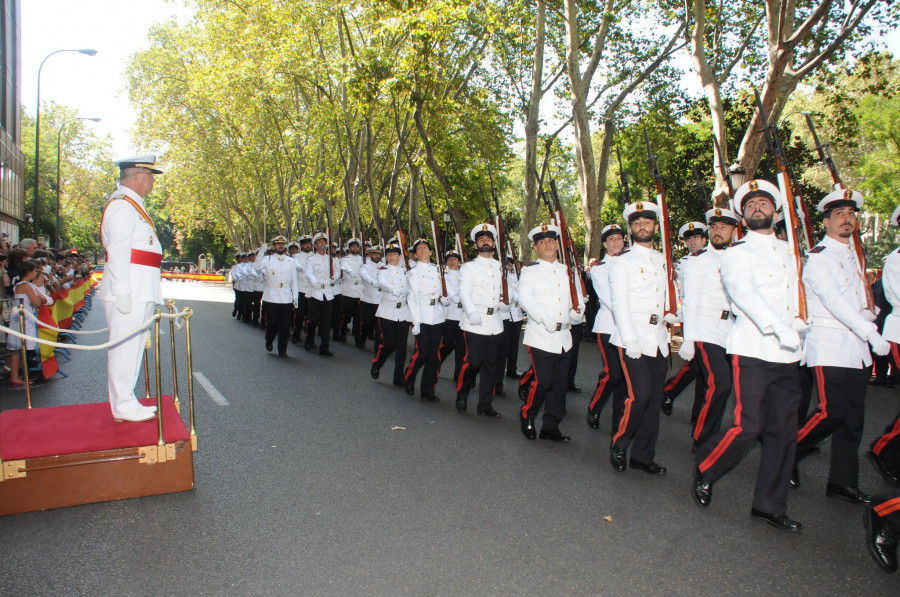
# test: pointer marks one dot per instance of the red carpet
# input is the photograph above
(81, 428)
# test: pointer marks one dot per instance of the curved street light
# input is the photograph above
(58, 180)
(37, 136)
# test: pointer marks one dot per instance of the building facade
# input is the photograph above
(12, 161)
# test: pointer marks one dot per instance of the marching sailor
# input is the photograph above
(393, 314)
(370, 298)
(280, 293)
(303, 288)
(452, 340)
(321, 272)
(352, 290)
(426, 308)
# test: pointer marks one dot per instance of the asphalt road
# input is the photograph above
(316, 480)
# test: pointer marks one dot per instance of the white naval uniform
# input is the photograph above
(302, 282)
(319, 275)
(129, 240)
(544, 294)
(280, 273)
(604, 323)
(479, 292)
(637, 282)
(394, 305)
(370, 292)
(454, 309)
(890, 280)
(425, 293)
(352, 286)
(706, 308)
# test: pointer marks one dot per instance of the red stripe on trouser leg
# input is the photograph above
(681, 373)
(710, 391)
(526, 377)
(601, 385)
(736, 428)
(380, 344)
(529, 401)
(888, 507)
(465, 365)
(623, 424)
(412, 361)
(822, 412)
(895, 430)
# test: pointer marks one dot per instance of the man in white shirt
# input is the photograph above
(280, 293)
(426, 308)
(370, 298)
(302, 310)
(321, 272)
(452, 334)
(351, 291)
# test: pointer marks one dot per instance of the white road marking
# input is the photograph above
(215, 394)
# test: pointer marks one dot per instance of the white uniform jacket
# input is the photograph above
(836, 299)
(280, 277)
(513, 311)
(761, 280)
(578, 318)
(890, 280)
(479, 292)
(256, 281)
(637, 287)
(604, 323)
(352, 283)
(238, 273)
(544, 294)
(394, 292)
(425, 293)
(368, 273)
(706, 308)
(303, 283)
(133, 252)
(319, 275)
(454, 309)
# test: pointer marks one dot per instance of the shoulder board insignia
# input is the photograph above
(817, 249)
(623, 252)
(700, 252)
(738, 243)
(530, 264)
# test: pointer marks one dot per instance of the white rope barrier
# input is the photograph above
(63, 330)
(105, 345)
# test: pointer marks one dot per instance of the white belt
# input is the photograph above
(828, 322)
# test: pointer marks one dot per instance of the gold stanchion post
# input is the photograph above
(24, 356)
(188, 312)
(170, 304)
(159, 404)
(147, 367)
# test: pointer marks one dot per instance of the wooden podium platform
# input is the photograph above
(70, 455)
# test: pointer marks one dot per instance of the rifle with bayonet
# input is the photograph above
(792, 220)
(401, 238)
(340, 241)
(498, 245)
(502, 231)
(665, 229)
(328, 233)
(825, 158)
(567, 245)
(623, 188)
(435, 233)
(460, 245)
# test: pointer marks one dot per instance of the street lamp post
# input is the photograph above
(58, 179)
(37, 137)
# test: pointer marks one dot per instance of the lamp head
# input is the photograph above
(88, 52)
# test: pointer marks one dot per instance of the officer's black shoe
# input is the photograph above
(325, 352)
(648, 467)
(795, 476)
(234, 313)
(255, 323)
(527, 426)
(667, 405)
(295, 339)
(489, 412)
(310, 347)
(375, 371)
(574, 389)
(360, 343)
(782, 522)
(461, 403)
(846, 492)
(431, 398)
(499, 392)
(512, 374)
(884, 469)
(554, 435)
(410, 390)
(399, 382)
(282, 354)
(701, 490)
(269, 346)
(881, 543)
(617, 458)
(593, 421)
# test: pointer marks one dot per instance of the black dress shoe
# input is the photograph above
(528, 430)
(498, 391)
(617, 458)
(593, 421)
(701, 490)
(852, 494)
(325, 352)
(574, 389)
(512, 374)
(782, 522)
(461, 403)
(648, 467)
(282, 354)
(295, 339)
(667, 405)
(795, 477)
(489, 412)
(881, 543)
(399, 383)
(375, 371)
(269, 346)
(431, 398)
(310, 347)
(554, 435)
(410, 390)
(884, 469)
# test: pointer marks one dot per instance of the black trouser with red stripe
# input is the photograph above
(369, 323)
(300, 315)
(427, 355)
(349, 312)
(482, 356)
(610, 382)
(393, 340)
(676, 385)
(887, 507)
(551, 375)
(713, 388)
(512, 330)
(577, 331)
(452, 337)
(320, 313)
(644, 377)
(278, 323)
(766, 399)
(842, 405)
(887, 447)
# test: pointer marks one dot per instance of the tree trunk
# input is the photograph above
(532, 121)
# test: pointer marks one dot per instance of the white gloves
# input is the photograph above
(633, 349)
(474, 318)
(263, 247)
(787, 337)
(800, 326)
(686, 351)
(416, 328)
(550, 326)
(880, 346)
(445, 300)
(671, 318)
(575, 315)
(295, 303)
(868, 315)
(123, 303)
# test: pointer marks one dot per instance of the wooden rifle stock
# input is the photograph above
(665, 230)
(568, 250)
(437, 239)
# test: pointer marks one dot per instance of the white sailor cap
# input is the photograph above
(354, 240)
(420, 241)
(691, 228)
(373, 249)
(481, 229)
(640, 209)
(147, 161)
(279, 239)
(718, 214)
(756, 188)
(543, 231)
(609, 230)
(305, 239)
(895, 217)
(841, 198)
(452, 253)
(393, 248)
(320, 236)
(292, 244)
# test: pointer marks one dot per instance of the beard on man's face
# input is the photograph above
(760, 221)
(642, 235)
